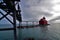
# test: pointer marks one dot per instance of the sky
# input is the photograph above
(34, 10)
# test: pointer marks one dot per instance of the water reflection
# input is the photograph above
(44, 33)
(36, 33)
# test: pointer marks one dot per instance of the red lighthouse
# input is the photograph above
(43, 21)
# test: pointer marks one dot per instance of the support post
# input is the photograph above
(14, 20)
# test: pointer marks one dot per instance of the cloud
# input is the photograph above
(34, 9)
(56, 18)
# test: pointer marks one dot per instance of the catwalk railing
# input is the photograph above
(23, 23)
(27, 23)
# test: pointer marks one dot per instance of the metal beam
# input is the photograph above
(3, 15)
(5, 29)
(14, 24)
(6, 18)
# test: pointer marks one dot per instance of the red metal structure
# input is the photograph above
(43, 21)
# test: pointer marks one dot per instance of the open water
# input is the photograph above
(50, 32)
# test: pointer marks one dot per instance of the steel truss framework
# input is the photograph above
(9, 7)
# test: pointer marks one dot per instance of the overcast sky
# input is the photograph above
(36, 9)
(33, 10)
